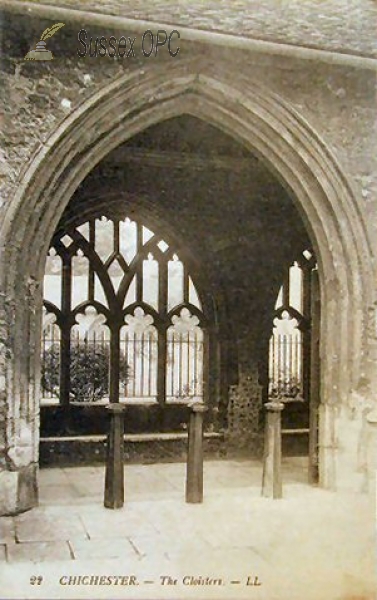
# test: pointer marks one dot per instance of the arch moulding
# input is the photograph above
(262, 122)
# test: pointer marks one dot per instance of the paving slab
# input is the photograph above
(168, 546)
(48, 526)
(7, 529)
(106, 523)
(2, 553)
(309, 541)
(37, 552)
(53, 476)
(57, 494)
(105, 548)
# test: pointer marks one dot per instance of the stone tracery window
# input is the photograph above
(290, 340)
(122, 312)
(184, 357)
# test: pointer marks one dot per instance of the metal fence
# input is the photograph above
(139, 365)
(184, 368)
(139, 354)
(285, 365)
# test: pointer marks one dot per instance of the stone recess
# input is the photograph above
(245, 405)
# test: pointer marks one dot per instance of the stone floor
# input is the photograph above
(310, 545)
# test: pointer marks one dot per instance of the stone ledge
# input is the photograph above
(129, 437)
(138, 449)
(293, 431)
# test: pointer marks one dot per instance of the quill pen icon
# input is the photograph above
(40, 52)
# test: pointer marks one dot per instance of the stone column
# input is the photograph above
(194, 473)
(371, 444)
(314, 379)
(272, 479)
(114, 478)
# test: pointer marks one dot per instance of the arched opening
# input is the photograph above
(263, 124)
(294, 360)
(122, 322)
(181, 290)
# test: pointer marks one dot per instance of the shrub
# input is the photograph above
(89, 371)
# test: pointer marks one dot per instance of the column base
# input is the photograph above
(18, 490)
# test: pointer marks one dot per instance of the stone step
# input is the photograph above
(128, 437)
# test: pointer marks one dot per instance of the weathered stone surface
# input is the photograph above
(8, 496)
(245, 405)
(330, 25)
(37, 552)
(7, 530)
(27, 493)
(21, 453)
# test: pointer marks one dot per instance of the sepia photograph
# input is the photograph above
(188, 300)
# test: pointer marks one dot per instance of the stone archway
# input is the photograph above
(262, 122)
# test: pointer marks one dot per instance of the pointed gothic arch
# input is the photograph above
(121, 298)
(255, 117)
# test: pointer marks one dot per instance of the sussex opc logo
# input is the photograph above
(40, 52)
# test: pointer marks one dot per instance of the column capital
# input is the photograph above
(116, 408)
(274, 406)
(197, 407)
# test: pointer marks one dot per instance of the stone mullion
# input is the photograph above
(161, 365)
(92, 233)
(114, 361)
(186, 287)
(65, 341)
(116, 236)
(286, 285)
(209, 366)
(306, 333)
(162, 332)
(139, 266)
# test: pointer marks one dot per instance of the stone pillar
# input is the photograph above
(314, 379)
(194, 473)
(328, 448)
(272, 478)
(371, 444)
(114, 478)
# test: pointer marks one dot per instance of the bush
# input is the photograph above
(286, 388)
(89, 371)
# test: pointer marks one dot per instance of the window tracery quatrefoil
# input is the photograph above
(185, 322)
(139, 322)
(285, 324)
(89, 320)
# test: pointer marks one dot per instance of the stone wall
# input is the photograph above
(337, 101)
(244, 434)
(332, 25)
